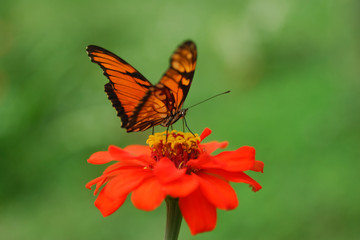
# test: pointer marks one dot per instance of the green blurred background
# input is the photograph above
(293, 69)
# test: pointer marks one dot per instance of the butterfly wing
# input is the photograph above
(126, 88)
(166, 98)
(179, 76)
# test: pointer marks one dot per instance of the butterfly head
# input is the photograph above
(170, 120)
(182, 112)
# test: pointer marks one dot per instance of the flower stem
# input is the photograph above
(173, 219)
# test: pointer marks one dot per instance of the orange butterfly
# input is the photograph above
(139, 104)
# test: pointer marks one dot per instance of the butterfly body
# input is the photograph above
(170, 120)
(139, 104)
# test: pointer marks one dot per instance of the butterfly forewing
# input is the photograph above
(179, 76)
(140, 104)
(126, 87)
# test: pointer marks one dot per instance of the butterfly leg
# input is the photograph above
(188, 127)
(153, 130)
(167, 133)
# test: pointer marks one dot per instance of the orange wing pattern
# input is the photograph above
(139, 104)
(126, 87)
(179, 76)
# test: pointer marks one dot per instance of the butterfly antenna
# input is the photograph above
(207, 100)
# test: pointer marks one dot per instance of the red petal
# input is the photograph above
(108, 205)
(94, 181)
(119, 153)
(236, 177)
(212, 146)
(128, 159)
(100, 158)
(218, 192)
(126, 181)
(122, 172)
(203, 160)
(148, 196)
(181, 187)
(98, 185)
(165, 171)
(241, 159)
(113, 195)
(199, 214)
(204, 134)
(129, 164)
(137, 150)
(120, 166)
(258, 166)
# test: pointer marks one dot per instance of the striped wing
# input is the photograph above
(126, 87)
(179, 76)
(166, 98)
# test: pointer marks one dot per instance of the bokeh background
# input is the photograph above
(293, 69)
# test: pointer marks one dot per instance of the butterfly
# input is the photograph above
(138, 103)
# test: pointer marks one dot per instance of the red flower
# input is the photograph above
(177, 165)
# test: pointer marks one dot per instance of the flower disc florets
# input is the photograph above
(178, 146)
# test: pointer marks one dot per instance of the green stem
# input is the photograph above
(173, 219)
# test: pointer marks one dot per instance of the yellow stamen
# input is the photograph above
(187, 140)
(175, 145)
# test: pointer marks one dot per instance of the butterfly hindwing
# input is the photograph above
(152, 110)
(140, 104)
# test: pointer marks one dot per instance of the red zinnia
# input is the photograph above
(179, 166)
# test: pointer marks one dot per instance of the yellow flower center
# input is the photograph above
(175, 145)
